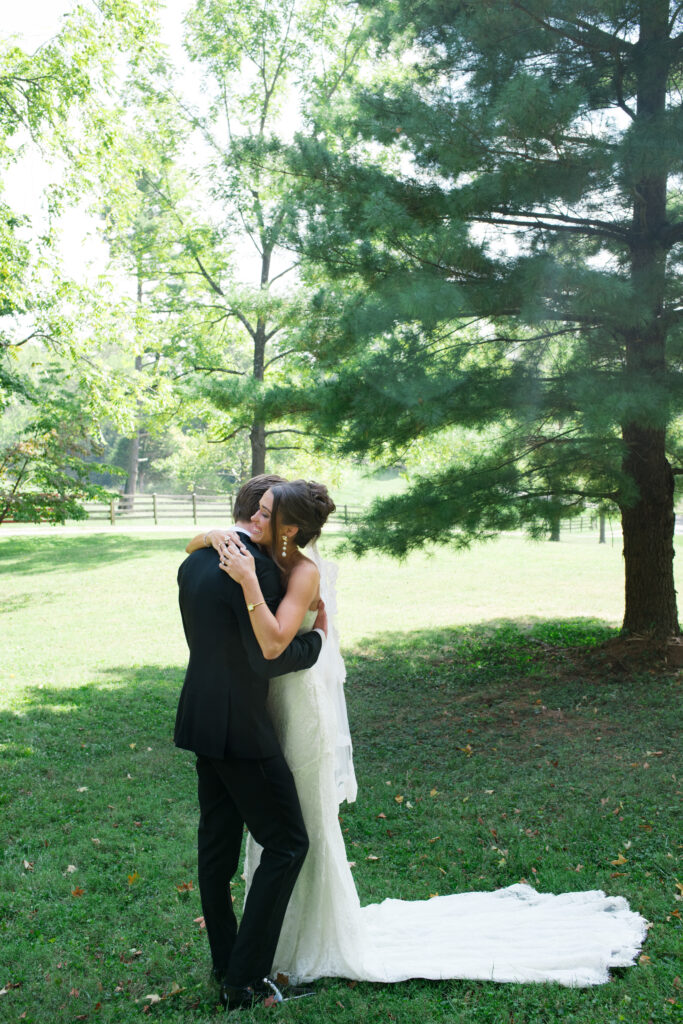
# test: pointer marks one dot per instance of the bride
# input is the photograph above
(515, 934)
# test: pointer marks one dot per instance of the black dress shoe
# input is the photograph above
(264, 993)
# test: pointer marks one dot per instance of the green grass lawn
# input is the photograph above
(516, 757)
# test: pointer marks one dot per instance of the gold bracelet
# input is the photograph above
(250, 607)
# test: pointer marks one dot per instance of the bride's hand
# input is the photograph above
(218, 539)
(321, 617)
(237, 562)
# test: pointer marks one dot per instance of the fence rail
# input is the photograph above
(196, 507)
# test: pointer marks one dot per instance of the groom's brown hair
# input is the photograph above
(249, 495)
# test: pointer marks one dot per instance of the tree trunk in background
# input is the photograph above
(648, 522)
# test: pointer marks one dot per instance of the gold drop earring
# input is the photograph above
(283, 553)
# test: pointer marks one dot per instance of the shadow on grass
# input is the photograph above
(42, 555)
(99, 812)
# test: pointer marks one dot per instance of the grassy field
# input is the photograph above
(468, 674)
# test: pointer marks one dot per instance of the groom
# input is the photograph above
(242, 775)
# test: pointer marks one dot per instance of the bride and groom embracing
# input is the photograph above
(276, 756)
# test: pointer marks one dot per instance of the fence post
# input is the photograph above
(602, 528)
(194, 507)
(112, 512)
(154, 509)
(346, 514)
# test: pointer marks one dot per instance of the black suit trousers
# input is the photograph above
(261, 794)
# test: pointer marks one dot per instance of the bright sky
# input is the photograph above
(33, 22)
(38, 20)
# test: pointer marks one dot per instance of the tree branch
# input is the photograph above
(218, 369)
(283, 272)
(280, 355)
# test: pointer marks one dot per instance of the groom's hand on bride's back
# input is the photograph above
(321, 618)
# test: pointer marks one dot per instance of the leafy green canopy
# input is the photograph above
(499, 211)
(55, 104)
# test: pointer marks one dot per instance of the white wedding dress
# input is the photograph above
(514, 934)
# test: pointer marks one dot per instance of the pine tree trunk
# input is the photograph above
(647, 515)
(648, 528)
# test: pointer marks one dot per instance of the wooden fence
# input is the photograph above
(157, 507)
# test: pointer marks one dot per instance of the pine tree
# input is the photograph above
(502, 210)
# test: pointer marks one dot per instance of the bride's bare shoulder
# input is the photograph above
(305, 569)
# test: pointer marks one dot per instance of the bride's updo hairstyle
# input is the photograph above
(301, 503)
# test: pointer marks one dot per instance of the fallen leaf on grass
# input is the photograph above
(398, 798)
(185, 886)
(132, 954)
(70, 869)
(381, 814)
(371, 856)
(74, 992)
(467, 750)
(10, 985)
(619, 861)
(132, 879)
(153, 998)
(679, 886)
(28, 865)
(82, 789)
(78, 891)
(644, 959)
(433, 792)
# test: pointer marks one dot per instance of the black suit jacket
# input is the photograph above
(221, 711)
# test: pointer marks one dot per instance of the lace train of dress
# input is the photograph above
(511, 935)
